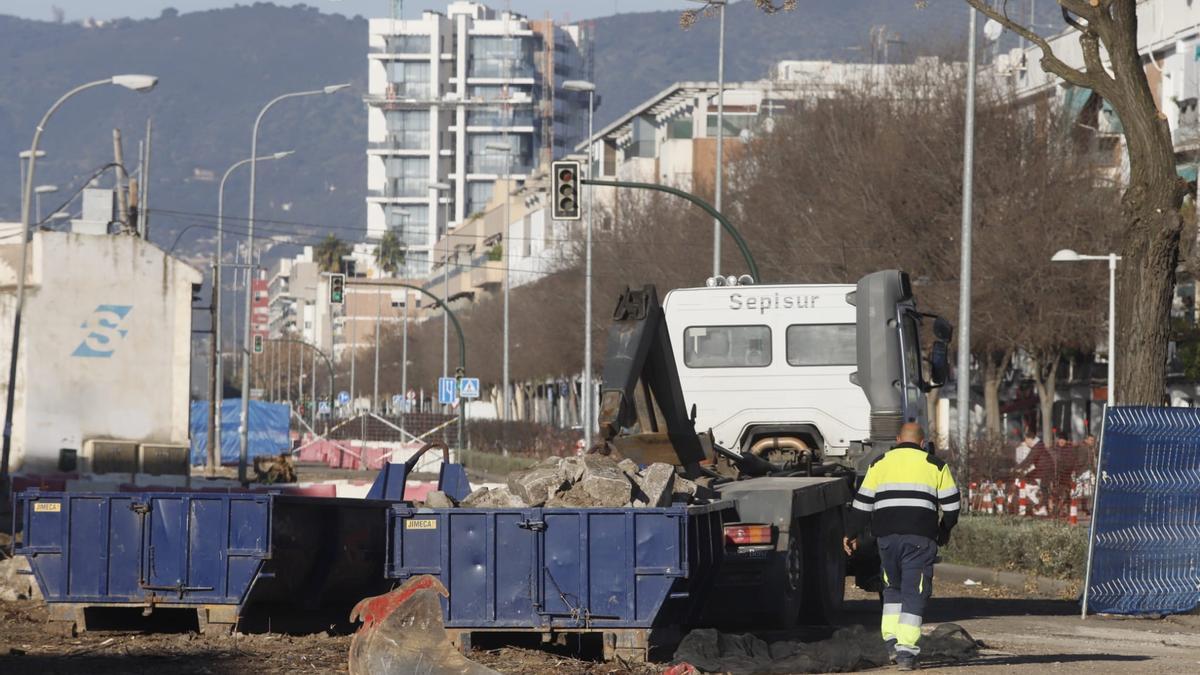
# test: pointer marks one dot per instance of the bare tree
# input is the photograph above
(1150, 207)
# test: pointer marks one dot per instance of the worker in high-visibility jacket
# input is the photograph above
(900, 498)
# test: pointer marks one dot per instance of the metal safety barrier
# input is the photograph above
(1144, 546)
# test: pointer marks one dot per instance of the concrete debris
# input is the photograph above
(656, 483)
(596, 481)
(15, 581)
(848, 649)
(500, 498)
(271, 469)
(537, 486)
(438, 500)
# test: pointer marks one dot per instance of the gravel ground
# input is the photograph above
(1021, 634)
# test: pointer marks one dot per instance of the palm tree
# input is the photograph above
(329, 253)
(390, 253)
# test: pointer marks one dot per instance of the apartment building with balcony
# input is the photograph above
(447, 92)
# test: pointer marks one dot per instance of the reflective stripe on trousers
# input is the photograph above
(907, 561)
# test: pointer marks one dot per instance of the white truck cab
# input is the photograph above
(775, 370)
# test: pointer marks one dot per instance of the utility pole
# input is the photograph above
(214, 454)
(378, 320)
(145, 214)
(119, 177)
(404, 363)
(963, 378)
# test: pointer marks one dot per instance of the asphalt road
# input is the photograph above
(1029, 634)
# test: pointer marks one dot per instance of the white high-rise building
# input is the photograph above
(445, 87)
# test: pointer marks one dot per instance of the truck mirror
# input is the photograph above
(939, 363)
(942, 330)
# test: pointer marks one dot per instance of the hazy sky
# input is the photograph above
(107, 9)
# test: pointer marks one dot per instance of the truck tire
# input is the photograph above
(789, 580)
(824, 567)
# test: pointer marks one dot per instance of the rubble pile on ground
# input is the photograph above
(847, 650)
(16, 583)
(594, 481)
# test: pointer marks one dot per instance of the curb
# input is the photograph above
(1014, 581)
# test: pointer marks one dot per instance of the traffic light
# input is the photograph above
(337, 289)
(258, 343)
(566, 190)
(196, 297)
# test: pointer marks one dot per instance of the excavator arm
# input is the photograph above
(642, 411)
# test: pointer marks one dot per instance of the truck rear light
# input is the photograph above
(748, 535)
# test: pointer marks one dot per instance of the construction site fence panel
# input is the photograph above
(1146, 527)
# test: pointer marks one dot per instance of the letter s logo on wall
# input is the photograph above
(102, 330)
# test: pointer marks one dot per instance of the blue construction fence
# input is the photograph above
(1146, 528)
(268, 432)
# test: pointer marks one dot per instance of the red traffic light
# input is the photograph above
(566, 175)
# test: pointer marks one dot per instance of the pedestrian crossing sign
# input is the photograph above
(469, 387)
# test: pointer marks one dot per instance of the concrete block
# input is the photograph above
(500, 498)
(571, 469)
(603, 482)
(438, 500)
(629, 466)
(537, 485)
(657, 484)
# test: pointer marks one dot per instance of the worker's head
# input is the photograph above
(911, 432)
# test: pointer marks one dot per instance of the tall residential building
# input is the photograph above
(446, 93)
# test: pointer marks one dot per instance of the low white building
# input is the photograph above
(105, 346)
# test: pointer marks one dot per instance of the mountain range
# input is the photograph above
(218, 67)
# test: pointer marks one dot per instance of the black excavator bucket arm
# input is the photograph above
(642, 412)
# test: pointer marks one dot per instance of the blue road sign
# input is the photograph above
(447, 391)
(397, 400)
(323, 409)
(469, 387)
(343, 397)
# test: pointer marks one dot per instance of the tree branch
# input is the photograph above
(1050, 61)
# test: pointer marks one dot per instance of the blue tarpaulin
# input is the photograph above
(1146, 556)
(268, 434)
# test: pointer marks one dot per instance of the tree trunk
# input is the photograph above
(1045, 378)
(995, 365)
(1150, 212)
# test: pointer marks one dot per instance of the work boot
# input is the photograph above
(890, 643)
(906, 661)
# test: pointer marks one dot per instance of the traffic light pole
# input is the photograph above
(733, 233)
(462, 355)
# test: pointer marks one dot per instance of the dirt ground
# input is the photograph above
(1021, 635)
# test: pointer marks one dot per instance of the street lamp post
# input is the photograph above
(506, 148)
(435, 190)
(590, 88)
(1068, 255)
(138, 83)
(22, 157)
(218, 369)
(243, 426)
(720, 127)
(963, 395)
(37, 199)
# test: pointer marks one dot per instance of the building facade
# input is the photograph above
(448, 93)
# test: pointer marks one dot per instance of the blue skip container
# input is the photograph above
(300, 562)
(635, 576)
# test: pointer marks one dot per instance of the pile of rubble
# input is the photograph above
(586, 481)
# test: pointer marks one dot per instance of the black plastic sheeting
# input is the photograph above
(847, 650)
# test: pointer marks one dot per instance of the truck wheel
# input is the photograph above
(825, 567)
(790, 580)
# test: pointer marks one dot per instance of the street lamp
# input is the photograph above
(244, 427)
(378, 320)
(217, 370)
(1068, 255)
(37, 199)
(139, 83)
(435, 189)
(590, 88)
(963, 395)
(506, 148)
(720, 128)
(22, 156)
